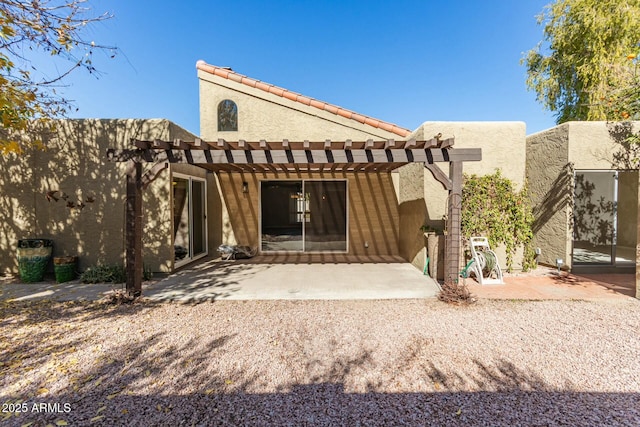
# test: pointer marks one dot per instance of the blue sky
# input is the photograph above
(405, 62)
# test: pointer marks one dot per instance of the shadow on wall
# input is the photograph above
(412, 217)
(88, 218)
(374, 217)
(556, 199)
(628, 155)
(240, 226)
(372, 214)
(214, 214)
(17, 176)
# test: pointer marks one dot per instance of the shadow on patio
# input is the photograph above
(324, 258)
(321, 276)
(547, 284)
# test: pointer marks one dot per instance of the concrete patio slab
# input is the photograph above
(324, 277)
(267, 278)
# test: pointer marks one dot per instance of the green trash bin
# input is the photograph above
(33, 257)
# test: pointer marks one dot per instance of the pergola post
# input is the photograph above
(638, 245)
(133, 229)
(452, 239)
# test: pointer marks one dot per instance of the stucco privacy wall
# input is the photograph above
(599, 145)
(503, 147)
(552, 156)
(550, 180)
(75, 162)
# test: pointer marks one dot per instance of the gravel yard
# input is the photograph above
(405, 362)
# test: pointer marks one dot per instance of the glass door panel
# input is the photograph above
(284, 209)
(594, 217)
(627, 221)
(181, 232)
(326, 225)
(189, 219)
(199, 218)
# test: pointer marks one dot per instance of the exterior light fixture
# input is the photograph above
(245, 187)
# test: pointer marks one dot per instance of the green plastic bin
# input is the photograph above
(33, 257)
(65, 268)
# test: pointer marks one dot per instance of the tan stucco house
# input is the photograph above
(366, 207)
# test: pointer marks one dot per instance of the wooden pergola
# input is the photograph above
(290, 157)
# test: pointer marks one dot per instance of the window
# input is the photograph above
(304, 216)
(227, 116)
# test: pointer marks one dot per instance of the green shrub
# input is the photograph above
(493, 208)
(106, 273)
(110, 273)
(147, 274)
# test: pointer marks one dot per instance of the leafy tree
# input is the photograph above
(585, 67)
(29, 28)
(625, 100)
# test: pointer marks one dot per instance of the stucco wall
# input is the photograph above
(599, 145)
(263, 115)
(412, 210)
(550, 180)
(503, 147)
(75, 163)
(234, 216)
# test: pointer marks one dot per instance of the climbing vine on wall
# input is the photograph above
(492, 208)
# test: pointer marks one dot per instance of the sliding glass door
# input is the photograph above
(283, 211)
(605, 217)
(595, 217)
(303, 216)
(189, 218)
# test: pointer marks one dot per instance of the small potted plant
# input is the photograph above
(65, 268)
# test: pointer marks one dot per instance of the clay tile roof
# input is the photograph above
(228, 73)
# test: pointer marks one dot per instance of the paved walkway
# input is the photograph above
(548, 284)
(327, 277)
(260, 278)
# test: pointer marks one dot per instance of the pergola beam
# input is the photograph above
(439, 175)
(300, 157)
